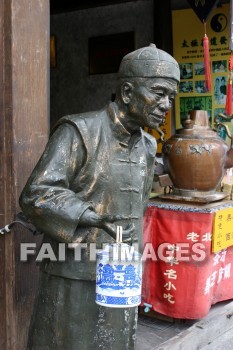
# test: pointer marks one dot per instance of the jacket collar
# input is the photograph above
(121, 133)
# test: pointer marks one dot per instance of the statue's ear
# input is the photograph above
(126, 92)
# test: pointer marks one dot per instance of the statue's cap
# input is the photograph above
(149, 62)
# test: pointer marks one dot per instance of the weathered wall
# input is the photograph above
(72, 89)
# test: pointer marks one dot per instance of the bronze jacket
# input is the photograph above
(90, 161)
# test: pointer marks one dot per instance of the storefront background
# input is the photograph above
(188, 32)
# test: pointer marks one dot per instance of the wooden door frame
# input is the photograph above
(24, 126)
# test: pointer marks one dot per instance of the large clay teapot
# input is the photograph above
(196, 157)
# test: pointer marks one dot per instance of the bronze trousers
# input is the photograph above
(66, 317)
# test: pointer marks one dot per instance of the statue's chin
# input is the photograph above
(154, 126)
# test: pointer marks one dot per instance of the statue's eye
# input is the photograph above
(171, 99)
(159, 93)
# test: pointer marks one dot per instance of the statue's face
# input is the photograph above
(150, 100)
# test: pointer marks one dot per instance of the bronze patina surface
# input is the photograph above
(96, 173)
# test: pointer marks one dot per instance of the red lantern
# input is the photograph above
(229, 107)
(207, 63)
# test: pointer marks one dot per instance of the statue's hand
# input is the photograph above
(105, 222)
(127, 234)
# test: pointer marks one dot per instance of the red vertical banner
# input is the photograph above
(182, 278)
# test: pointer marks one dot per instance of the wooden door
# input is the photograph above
(24, 95)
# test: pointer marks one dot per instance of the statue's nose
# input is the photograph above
(164, 103)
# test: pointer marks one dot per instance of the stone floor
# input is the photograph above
(213, 332)
(224, 342)
(152, 332)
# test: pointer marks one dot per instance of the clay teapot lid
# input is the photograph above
(196, 124)
(196, 118)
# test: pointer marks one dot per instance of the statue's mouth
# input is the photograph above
(160, 119)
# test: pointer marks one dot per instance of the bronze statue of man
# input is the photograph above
(96, 173)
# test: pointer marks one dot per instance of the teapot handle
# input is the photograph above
(219, 124)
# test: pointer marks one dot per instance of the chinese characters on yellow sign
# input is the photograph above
(188, 32)
(223, 230)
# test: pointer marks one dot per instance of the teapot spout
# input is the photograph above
(229, 160)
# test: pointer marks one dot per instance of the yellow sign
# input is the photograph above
(223, 230)
(188, 33)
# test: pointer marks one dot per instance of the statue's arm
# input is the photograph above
(47, 199)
